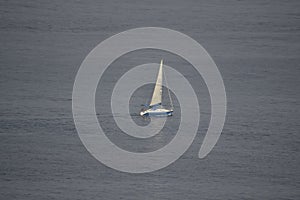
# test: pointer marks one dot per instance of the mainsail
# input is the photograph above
(157, 93)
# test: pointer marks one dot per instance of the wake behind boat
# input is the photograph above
(155, 108)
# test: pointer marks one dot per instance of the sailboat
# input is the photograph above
(155, 108)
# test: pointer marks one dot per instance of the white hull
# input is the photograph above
(157, 112)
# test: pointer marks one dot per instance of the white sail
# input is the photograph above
(157, 93)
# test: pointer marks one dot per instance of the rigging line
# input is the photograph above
(168, 90)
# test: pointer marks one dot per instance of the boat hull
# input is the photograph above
(157, 112)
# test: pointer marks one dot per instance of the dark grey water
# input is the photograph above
(256, 47)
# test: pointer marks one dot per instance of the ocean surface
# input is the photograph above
(255, 45)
